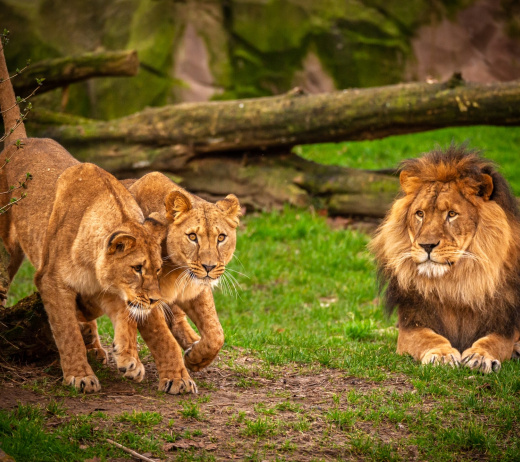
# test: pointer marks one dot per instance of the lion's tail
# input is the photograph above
(10, 109)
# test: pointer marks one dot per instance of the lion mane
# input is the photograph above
(474, 291)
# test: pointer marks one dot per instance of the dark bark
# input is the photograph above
(243, 147)
(25, 334)
(284, 121)
(61, 72)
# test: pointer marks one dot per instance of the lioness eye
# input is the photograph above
(452, 214)
(221, 237)
(419, 213)
(137, 268)
(192, 237)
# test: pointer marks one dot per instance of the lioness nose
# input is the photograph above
(429, 247)
(152, 301)
(208, 268)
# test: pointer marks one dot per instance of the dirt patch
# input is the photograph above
(245, 409)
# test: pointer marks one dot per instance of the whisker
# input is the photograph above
(238, 272)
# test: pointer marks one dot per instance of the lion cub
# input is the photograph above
(199, 243)
(83, 232)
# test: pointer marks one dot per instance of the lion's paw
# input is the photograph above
(516, 351)
(98, 354)
(194, 361)
(479, 359)
(131, 367)
(176, 386)
(442, 355)
(87, 384)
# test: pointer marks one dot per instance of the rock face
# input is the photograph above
(196, 50)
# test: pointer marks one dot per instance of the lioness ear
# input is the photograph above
(486, 187)
(176, 204)
(231, 208)
(157, 225)
(120, 242)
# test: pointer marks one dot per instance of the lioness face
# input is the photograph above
(441, 223)
(131, 266)
(202, 238)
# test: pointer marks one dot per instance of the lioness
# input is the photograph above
(200, 242)
(449, 252)
(83, 232)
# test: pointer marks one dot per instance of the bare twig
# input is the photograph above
(129, 451)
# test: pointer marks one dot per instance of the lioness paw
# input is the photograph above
(178, 386)
(479, 359)
(442, 355)
(130, 367)
(195, 361)
(98, 354)
(87, 384)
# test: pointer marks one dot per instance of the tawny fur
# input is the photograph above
(449, 255)
(85, 235)
(186, 286)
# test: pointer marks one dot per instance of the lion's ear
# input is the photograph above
(486, 187)
(408, 182)
(157, 225)
(231, 209)
(177, 204)
(120, 242)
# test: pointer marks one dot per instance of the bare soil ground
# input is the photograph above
(247, 411)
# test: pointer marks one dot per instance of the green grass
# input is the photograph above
(307, 298)
(501, 144)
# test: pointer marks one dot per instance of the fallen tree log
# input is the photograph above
(244, 146)
(61, 72)
(296, 118)
(25, 334)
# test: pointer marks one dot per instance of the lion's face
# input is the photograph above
(441, 225)
(131, 265)
(201, 239)
(451, 235)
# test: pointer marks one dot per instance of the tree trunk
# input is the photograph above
(295, 118)
(243, 147)
(61, 72)
(25, 334)
(4, 276)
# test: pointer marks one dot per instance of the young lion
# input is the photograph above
(449, 250)
(84, 233)
(200, 242)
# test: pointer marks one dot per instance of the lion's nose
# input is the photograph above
(152, 301)
(429, 247)
(208, 268)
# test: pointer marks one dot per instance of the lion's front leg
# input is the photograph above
(201, 310)
(60, 305)
(89, 332)
(180, 327)
(124, 346)
(426, 346)
(487, 353)
(173, 376)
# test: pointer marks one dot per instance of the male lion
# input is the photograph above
(449, 250)
(83, 232)
(199, 243)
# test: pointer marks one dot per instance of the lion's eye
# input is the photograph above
(419, 213)
(137, 268)
(192, 237)
(452, 214)
(221, 237)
